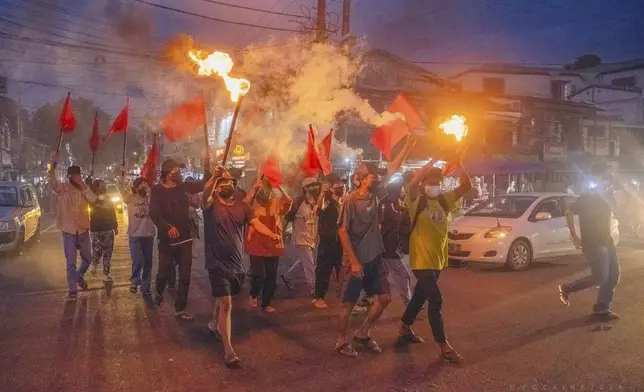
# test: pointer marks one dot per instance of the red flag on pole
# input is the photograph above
(310, 165)
(324, 155)
(67, 121)
(387, 136)
(184, 119)
(95, 139)
(122, 121)
(271, 170)
(149, 167)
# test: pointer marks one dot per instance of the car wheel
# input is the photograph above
(519, 255)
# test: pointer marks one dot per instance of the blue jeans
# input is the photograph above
(141, 252)
(71, 244)
(604, 272)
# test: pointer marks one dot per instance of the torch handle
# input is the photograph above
(232, 130)
(58, 145)
(252, 198)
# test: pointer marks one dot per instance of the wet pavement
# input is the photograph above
(509, 327)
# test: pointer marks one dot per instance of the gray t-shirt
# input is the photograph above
(360, 217)
(305, 225)
(138, 214)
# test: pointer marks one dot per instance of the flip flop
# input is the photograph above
(232, 361)
(346, 350)
(410, 337)
(451, 357)
(369, 343)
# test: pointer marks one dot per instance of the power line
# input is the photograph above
(252, 9)
(214, 19)
(271, 22)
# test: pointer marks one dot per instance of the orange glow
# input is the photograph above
(220, 63)
(455, 125)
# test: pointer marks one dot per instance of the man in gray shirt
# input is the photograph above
(362, 243)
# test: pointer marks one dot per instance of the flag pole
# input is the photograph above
(91, 172)
(232, 130)
(206, 133)
(124, 144)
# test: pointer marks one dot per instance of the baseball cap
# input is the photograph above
(73, 170)
(308, 181)
(170, 164)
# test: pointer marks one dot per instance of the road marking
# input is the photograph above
(51, 227)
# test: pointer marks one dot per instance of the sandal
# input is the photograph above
(252, 302)
(346, 350)
(133, 289)
(369, 343)
(451, 357)
(231, 360)
(410, 337)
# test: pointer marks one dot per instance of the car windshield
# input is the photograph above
(8, 196)
(503, 207)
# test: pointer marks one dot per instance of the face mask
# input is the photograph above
(433, 190)
(339, 192)
(142, 192)
(226, 191)
(315, 192)
(176, 177)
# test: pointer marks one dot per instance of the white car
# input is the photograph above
(516, 229)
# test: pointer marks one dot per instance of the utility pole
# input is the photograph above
(346, 18)
(321, 34)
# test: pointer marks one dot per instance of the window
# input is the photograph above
(558, 89)
(551, 205)
(624, 82)
(494, 86)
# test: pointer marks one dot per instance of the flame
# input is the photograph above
(455, 125)
(220, 63)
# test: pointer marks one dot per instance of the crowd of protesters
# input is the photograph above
(360, 237)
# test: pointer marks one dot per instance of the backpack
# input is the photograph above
(407, 225)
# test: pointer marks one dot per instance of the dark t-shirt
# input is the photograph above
(223, 236)
(594, 219)
(171, 207)
(328, 223)
(391, 216)
(360, 216)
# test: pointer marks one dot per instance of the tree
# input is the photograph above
(583, 62)
(44, 122)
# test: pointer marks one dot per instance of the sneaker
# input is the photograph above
(287, 284)
(107, 278)
(82, 284)
(606, 315)
(359, 310)
(183, 315)
(72, 297)
(268, 309)
(319, 304)
(564, 296)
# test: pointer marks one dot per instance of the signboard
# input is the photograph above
(238, 156)
(554, 152)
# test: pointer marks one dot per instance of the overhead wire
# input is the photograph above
(270, 24)
(269, 11)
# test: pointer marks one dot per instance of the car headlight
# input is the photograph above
(10, 225)
(498, 232)
(5, 225)
(115, 199)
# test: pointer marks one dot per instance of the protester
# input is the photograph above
(224, 222)
(359, 234)
(329, 256)
(170, 212)
(103, 228)
(303, 215)
(263, 251)
(429, 210)
(393, 212)
(73, 198)
(594, 211)
(140, 231)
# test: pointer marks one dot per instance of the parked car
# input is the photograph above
(19, 215)
(516, 229)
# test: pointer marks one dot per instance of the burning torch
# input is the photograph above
(455, 125)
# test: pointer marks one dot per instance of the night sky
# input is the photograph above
(448, 34)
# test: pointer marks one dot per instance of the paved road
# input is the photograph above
(508, 326)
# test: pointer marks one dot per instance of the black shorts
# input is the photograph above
(223, 285)
(374, 281)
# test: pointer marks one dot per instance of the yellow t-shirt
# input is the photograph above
(428, 240)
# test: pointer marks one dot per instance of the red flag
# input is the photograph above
(184, 119)
(67, 121)
(387, 136)
(149, 167)
(122, 121)
(324, 155)
(271, 170)
(95, 139)
(449, 169)
(310, 165)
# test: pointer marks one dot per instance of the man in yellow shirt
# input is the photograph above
(429, 210)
